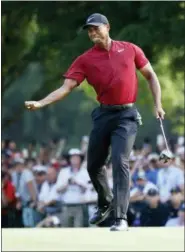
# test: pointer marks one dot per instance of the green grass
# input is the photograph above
(93, 239)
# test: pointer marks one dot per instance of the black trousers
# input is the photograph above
(116, 129)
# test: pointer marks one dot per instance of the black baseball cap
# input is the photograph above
(152, 192)
(96, 19)
(175, 190)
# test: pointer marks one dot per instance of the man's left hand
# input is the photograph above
(159, 112)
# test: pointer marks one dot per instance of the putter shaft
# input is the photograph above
(162, 129)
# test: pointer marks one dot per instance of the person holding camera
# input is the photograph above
(72, 184)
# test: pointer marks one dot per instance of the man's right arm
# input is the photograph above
(57, 95)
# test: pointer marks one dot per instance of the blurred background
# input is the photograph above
(43, 153)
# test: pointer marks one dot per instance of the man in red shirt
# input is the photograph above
(110, 67)
(8, 200)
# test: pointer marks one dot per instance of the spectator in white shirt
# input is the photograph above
(40, 173)
(178, 221)
(72, 184)
(168, 178)
(49, 198)
(49, 201)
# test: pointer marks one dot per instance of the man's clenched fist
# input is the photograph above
(32, 105)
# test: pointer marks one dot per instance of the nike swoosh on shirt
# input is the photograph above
(121, 50)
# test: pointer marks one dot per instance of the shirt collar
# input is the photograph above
(98, 48)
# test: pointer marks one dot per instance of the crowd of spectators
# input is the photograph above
(45, 186)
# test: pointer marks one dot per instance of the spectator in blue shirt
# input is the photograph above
(150, 166)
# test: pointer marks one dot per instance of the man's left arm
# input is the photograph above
(144, 66)
(148, 72)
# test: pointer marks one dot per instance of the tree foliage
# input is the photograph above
(41, 39)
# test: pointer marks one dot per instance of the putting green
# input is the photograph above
(93, 239)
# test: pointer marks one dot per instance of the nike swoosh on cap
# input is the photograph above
(88, 20)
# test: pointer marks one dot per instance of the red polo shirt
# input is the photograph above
(9, 191)
(111, 73)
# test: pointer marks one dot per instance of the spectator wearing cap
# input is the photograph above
(153, 167)
(139, 190)
(72, 184)
(179, 220)
(169, 177)
(8, 200)
(155, 213)
(149, 165)
(142, 185)
(49, 199)
(174, 202)
(26, 192)
(40, 172)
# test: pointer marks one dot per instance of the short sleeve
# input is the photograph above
(28, 176)
(76, 71)
(140, 58)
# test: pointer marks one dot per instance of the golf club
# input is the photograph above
(165, 155)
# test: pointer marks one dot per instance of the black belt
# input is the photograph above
(117, 107)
